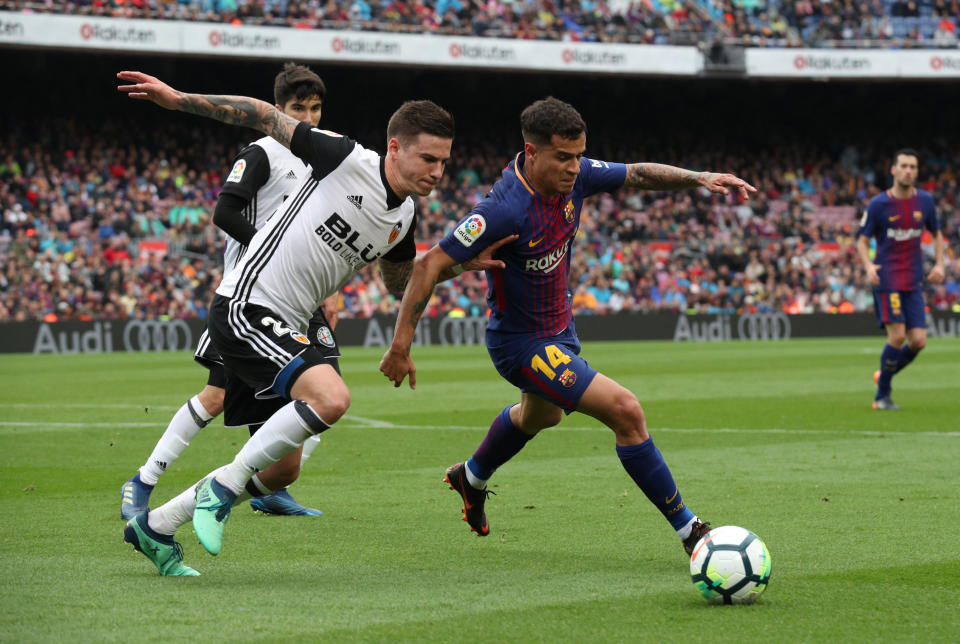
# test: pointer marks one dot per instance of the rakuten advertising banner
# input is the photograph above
(853, 63)
(438, 51)
(76, 32)
(212, 39)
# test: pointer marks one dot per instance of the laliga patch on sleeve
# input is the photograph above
(327, 132)
(470, 229)
(863, 220)
(237, 173)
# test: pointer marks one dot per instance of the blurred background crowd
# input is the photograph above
(100, 224)
(762, 23)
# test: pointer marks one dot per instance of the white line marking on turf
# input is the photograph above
(41, 424)
(369, 422)
(131, 406)
(345, 423)
(372, 423)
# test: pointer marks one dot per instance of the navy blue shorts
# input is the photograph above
(906, 307)
(550, 367)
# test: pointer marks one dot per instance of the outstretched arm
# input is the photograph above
(397, 363)
(656, 176)
(435, 266)
(236, 110)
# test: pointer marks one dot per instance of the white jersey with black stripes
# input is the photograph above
(265, 173)
(342, 217)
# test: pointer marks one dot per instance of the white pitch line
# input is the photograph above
(131, 406)
(42, 424)
(372, 423)
(368, 422)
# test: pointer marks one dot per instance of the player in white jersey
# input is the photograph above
(263, 175)
(353, 208)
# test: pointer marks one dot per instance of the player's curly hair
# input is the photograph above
(539, 121)
(420, 117)
(297, 81)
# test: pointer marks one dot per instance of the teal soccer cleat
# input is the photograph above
(165, 553)
(134, 497)
(214, 503)
(281, 503)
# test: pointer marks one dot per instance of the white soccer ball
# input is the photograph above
(730, 565)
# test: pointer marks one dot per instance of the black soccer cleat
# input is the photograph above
(473, 499)
(699, 531)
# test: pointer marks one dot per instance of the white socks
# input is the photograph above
(280, 435)
(182, 429)
(473, 480)
(685, 531)
(312, 443)
(179, 510)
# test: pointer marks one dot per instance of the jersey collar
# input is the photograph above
(517, 162)
(913, 193)
(393, 201)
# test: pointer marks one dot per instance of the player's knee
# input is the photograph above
(551, 419)
(330, 407)
(337, 407)
(212, 400)
(286, 475)
(917, 344)
(533, 423)
(628, 413)
(896, 340)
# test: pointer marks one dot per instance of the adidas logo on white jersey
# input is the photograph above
(356, 200)
(291, 175)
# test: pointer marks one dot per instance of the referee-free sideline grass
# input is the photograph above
(858, 508)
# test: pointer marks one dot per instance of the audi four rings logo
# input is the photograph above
(764, 326)
(459, 331)
(157, 335)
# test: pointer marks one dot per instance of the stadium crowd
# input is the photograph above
(773, 23)
(96, 229)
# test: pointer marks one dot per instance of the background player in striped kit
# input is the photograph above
(896, 219)
(531, 335)
(263, 175)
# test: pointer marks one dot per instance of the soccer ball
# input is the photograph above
(730, 565)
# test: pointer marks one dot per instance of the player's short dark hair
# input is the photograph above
(297, 81)
(420, 117)
(910, 152)
(539, 121)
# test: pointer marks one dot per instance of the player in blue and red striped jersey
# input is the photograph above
(897, 219)
(531, 336)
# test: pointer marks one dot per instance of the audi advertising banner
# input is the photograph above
(182, 335)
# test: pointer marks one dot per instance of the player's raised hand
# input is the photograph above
(397, 365)
(722, 183)
(485, 259)
(148, 88)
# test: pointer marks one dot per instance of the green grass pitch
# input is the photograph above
(858, 508)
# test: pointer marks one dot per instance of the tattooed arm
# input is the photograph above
(236, 110)
(395, 275)
(434, 267)
(397, 363)
(656, 176)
